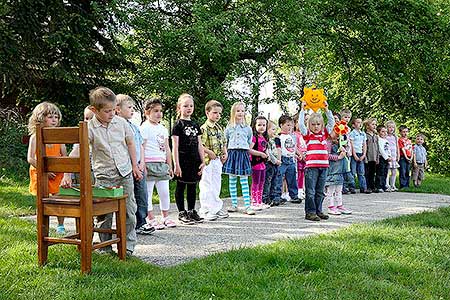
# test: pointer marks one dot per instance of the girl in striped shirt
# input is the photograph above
(317, 163)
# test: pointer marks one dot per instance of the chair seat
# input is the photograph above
(72, 200)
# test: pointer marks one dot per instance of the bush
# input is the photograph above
(14, 144)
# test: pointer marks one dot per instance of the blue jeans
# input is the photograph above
(315, 186)
(270, 183)
(287, 169)
(404, 171)
(140, 193)
(357, 167)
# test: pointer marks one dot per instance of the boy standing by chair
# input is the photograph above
(113, 159)
(214, 145)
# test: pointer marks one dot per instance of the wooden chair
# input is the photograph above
(82, 208)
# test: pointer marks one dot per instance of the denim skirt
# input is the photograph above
(237, 163)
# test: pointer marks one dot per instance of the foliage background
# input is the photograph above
(380, 58)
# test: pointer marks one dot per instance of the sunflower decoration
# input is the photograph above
(341, 128)
(315, 98)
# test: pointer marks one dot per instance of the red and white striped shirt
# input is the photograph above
(316, 149)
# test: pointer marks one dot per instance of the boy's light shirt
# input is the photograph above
(358, 138)
(109, 148)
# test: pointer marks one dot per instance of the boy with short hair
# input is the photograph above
(287, 169)
(419, 160)
(125, 109)
(349, 179)
(406, 156)
(113, 159)
(214, 145)
(359, 148)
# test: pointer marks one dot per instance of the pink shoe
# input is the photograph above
(155, 224)
(332, 210)
(169, 223)
(343, 210)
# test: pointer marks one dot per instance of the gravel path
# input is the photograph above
(178, 245)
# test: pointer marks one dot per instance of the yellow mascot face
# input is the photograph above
(314, 98)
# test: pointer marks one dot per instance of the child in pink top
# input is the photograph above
(258, 157)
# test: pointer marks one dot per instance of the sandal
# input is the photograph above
(155, 224)
(169, 223)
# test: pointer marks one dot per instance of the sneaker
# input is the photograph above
(312, 217)
(145, 229)
(286, 197)
(301, 194)
(275, 203)
(249, 211)
(323, 216)
(184, 218)
(368, 191)
(221, 214)
(232, 209)
(193, 215)
(344, 210)
(332, 210)
(394, 189)
(129, 253)
(345, 192)
(282, 201)
(296, 200)
(209, 216)
(256, 207)
(265, 206)
(169, 222)
(155, 224)
(60, 229)
(352, 191)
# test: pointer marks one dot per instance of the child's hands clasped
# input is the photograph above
(137, 173)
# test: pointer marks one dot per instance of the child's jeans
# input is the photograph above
(270, 184)
(315, 185)
(357, 167)
(287, 170)
(404, 172)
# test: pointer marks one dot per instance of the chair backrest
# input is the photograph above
(64, 164)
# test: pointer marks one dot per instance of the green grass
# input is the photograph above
(433, 184)
(401, 258)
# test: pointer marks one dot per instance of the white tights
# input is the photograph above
(390, 180)
(162, 187)
(333, 193)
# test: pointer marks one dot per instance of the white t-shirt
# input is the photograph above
(154, 137)
(288, 145)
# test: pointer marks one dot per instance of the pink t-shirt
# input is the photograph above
(262, 146)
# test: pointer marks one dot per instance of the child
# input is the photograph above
(158, 162)
(47, 115)
(288, 162)
(335, 176)
(383, 160)
(419, 160)
(301, 163)
(125, 109)
(258, 149)
(214, 145)
(391, 137)
(114, 160)
(371, 160)
(272, 164)
(359, 149)
(187, 144)
(316, 160)
(239, 138)
(349, 179)
(406, 156)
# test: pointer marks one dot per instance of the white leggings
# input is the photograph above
(333, 193)
(162, 187)
(390, 180)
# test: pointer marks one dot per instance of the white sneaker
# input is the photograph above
(256, 207)
(286, 196)
(209, 216)
(221, 214)
(265, 206)
(343, 210)
(249, 211)
(332, 210)
(301, 194)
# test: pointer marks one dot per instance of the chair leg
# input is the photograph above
(77, 230)
(86, 229)
(42, 232)
(121, 216)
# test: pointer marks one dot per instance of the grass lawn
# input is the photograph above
(402, 258)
